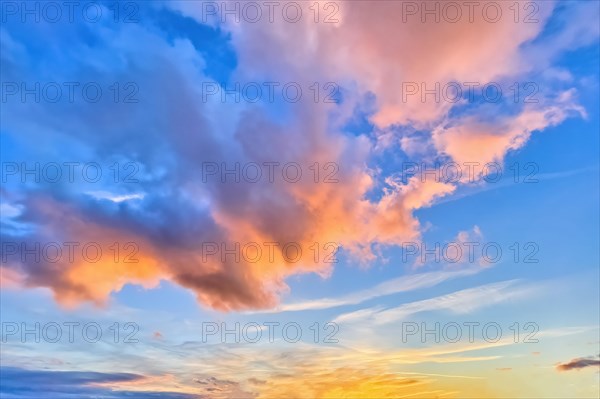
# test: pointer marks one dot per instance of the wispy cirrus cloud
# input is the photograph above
(461, 302)
(389, 287)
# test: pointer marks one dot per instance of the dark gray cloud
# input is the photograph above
(221, 388)
(34, 384)
(580, 363)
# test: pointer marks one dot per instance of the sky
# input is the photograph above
(311, 199)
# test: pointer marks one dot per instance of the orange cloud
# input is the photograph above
(382, 50)
(471, 140)
(372, 50)
(93, 263)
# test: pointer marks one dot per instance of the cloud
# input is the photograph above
(389, 287)
(580, 363)
(461, 302)
(32, 384)
(80, 274)
(469, 139)
(385, 53)
(10, 278)
(217, 388)
(340, 371)
(346, 382)
(454, 254)
(171, 133)
(179, 211)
